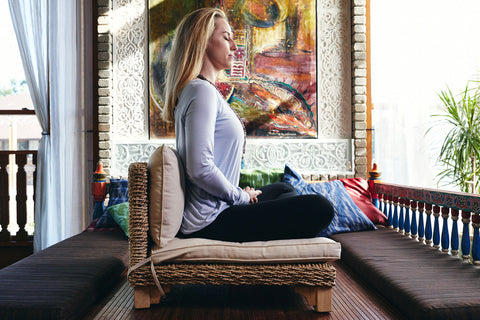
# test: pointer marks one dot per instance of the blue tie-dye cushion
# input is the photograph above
(348, 217)
(118, 193)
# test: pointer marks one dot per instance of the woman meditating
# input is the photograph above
(210, 139)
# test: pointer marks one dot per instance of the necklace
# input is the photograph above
(202, 77)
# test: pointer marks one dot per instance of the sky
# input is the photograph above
(10, 61)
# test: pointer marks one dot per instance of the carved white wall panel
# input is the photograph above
(126, 153)
(308, 156)
(129, 70)
(334, 69)
(330, 153)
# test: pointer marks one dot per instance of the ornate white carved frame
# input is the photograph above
(331, 153)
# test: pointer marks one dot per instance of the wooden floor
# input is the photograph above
(352, 299)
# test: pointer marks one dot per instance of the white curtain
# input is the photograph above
(49, 37)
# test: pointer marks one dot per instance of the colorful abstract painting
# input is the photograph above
(272, 84)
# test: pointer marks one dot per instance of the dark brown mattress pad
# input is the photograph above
(420, 281)
(64, 280)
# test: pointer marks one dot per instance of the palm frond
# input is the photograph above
(460, 150)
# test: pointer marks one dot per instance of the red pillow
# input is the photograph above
(357, 189)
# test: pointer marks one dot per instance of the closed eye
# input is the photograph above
(227, 36)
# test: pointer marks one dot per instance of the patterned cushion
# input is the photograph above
(118, 193)
(358, 190)
(260, 177)
(348, 217)
(119, 213)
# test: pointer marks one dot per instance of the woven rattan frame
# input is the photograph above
(295, 274)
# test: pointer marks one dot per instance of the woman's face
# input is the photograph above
(221, 46)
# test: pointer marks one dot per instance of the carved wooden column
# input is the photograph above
(414, 227)
(445, 233)
(466, 235)
(428, 224)
(4, 199)
(21, 161)
(436, 227)
(454, 239)
(476, 239)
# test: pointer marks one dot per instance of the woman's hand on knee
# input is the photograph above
(253, 194)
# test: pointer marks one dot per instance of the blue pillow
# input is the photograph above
(348, 217)
(296, 180)
(105, 221)
(118, 193)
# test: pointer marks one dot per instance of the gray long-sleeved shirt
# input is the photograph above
(209, 139)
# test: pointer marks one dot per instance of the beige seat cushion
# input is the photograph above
(275, 251)
(167, 194)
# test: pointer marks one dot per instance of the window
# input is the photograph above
(417, 49)
(19, 127)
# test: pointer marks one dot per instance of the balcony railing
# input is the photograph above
(17, 175)
(432, 217)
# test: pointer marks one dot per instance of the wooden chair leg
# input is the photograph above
(167, 288)
(155, 295)
(318, 297)
(146, 296)
(141, 297)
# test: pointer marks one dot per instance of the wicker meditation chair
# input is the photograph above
(158, 260)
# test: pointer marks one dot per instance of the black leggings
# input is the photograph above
(280, 213)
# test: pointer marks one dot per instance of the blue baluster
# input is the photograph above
(445, 235)
(466, 235)
(454, 238)
(380, 202)
(421, 225)
(406, 203)
(401, 217)
(374, 175)
(390, 212)
(414, 229)
(436, 227)
(384, 203)
(476, 239)
(428, 224)
(395, 213)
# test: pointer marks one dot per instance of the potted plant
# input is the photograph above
(460, 151)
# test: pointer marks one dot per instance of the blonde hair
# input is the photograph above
(186, 56)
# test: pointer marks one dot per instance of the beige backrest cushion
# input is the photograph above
(167, 194)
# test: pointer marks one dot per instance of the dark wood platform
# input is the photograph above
(352, 299)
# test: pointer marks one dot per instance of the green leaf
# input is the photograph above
(460, 150)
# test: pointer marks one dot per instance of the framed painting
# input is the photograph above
(272, 84)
